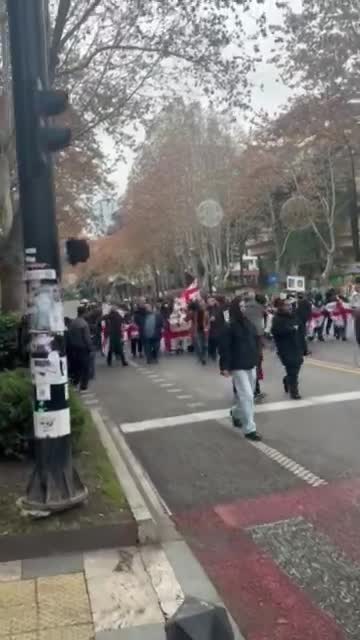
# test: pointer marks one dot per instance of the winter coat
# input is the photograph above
(158, 325)
(303, 311)
(255, 314)
(78, 336)
(139, 318)
(239, 348)
(285, 331)
(216, 322)
(114, 330)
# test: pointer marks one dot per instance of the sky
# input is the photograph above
(273, 95)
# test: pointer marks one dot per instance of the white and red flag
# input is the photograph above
(191, 292)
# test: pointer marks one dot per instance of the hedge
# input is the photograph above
(16, 415)
(9, 326)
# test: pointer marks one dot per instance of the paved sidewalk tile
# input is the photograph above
(63, 601)
(79, 632)
(52, 566)
(120, 591)
(10, 571)
(17, 620)
(17, 594)
(145, 632)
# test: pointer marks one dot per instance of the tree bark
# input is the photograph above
(12, 270)
(354, 213)
(328, 266)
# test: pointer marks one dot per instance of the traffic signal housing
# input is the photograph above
(77, 250)
(48, 103)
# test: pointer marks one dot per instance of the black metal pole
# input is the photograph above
(54, 484)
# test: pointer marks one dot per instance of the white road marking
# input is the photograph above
(174, 390)
(194, 405)
(289, 464)
(218, 414)
(165, 385)
(184, 397)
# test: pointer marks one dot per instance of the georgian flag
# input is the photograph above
(191, 292)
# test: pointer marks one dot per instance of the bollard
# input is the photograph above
(199, 620)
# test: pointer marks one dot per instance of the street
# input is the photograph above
(274, 524)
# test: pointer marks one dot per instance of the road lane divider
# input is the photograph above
(332, 366)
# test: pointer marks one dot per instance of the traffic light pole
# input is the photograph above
(54, 484)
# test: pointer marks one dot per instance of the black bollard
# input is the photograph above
(199, 620)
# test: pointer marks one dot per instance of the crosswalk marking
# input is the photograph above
(218, 414)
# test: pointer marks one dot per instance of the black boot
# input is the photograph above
(294, 392)
(286, 386)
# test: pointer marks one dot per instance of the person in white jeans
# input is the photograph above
(244, 407)
(239, 356)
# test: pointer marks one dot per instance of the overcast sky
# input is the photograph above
(271, 97)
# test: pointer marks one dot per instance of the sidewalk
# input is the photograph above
(113, 594)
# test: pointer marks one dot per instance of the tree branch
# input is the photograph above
(164, 52)
(69, 34)
(60, 22)
(121, 105)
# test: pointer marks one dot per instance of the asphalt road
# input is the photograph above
(276, 527)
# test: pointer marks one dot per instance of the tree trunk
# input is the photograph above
(12, 271)
(328, 266)
(354, 219)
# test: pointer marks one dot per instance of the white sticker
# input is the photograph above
(50, 370)
(31, 250)
(45, 307)
(40, 274)
(43, 392)
(52, 424)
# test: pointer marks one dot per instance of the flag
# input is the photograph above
(191, 292)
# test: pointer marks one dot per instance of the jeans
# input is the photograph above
(244, 383)
(201, 346)
(151, 348)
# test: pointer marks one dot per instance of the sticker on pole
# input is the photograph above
(50, 370)
(52, 424)
(45, 308)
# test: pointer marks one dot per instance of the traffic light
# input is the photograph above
(77, 250)
(48, 103)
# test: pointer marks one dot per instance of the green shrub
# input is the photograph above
(16, 415)
(9, 324)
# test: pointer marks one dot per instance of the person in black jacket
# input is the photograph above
(216, 327)
(239, 357)
(114, 329)
(289, 345)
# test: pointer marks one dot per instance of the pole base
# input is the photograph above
(54, 484)
(199, 620)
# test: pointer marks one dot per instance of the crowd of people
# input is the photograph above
(232, 331)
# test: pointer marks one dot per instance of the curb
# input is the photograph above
(148, 531)
(146, 504)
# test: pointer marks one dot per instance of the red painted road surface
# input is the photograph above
(265, 602)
